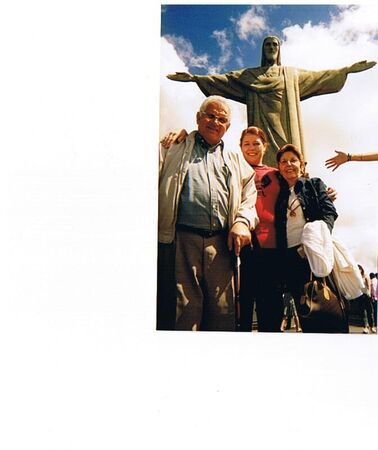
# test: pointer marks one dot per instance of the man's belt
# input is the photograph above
(200, 231)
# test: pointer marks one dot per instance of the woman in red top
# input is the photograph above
(259, 270)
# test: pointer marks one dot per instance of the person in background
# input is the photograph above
(366, 307)
(342, 158)
(374, 294)
(206, 213)
(290, 312)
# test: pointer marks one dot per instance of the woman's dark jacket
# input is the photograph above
(315, 202)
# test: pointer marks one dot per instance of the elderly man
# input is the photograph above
(206, 211)
(273, 93)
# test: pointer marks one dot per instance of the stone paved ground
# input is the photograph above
(353, 329)
(356, 330)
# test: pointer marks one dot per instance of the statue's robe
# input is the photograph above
(273, 95)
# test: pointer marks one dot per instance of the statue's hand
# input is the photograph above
(361, 66)
(180, 76)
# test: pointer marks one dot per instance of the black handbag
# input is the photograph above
(321, 308)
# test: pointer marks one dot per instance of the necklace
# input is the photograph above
(291, 209)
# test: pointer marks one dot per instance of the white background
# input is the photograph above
(81, 364)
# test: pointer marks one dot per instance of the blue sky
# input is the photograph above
(225, 37)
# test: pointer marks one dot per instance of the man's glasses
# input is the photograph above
(221, 120)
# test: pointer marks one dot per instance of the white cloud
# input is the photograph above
(251, 23)
(239, 61)
(186, 52)
(345, 120)
(221, 36)
(178, 101)
(357, 22)
(352, 32)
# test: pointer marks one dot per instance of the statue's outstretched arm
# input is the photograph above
(361, 66)
(180, 76)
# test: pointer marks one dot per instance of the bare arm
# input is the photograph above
(342, 158)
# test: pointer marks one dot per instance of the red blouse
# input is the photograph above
(268, 188)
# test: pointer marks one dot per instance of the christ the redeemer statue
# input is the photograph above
(273, 93)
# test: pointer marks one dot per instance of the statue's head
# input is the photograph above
(271, 51)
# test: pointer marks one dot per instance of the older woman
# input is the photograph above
(300, 200)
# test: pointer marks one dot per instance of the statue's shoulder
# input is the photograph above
(290, 69)
(249, 73)
(251, 70)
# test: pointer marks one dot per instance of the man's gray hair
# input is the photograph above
(219, 99)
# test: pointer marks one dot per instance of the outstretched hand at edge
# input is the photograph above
(336, 161)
